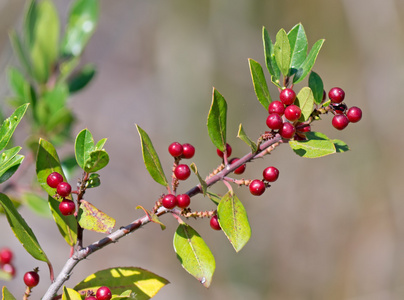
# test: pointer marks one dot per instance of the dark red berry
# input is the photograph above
(31, 279)
(287, 131)
(169, 201)
(239, 170)
(63, 189)
(257, 187)
(54, 179)
(293, 112)
(354, 114)
(67, 207)
(340, 122)
(228, 150)
(6, 256)
(336, 95)
(274, 121)
(339, 108)
(276, 107)
(287, 96)
(183, 200)
(270, 174)
(103, 293)
(175, 149)
(214, 223)
(182, 172)
(8, 268)
(188, 151)
(303, 128)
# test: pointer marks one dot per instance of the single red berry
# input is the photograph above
(239, 170)
(287, 131)
(276, 107)
(287, 96)
(340, 121)
(6, 256)
(336, 95)
(169, 201)
(8, 268)
(175, 149)
(339, 108)
(63, 189)
(183, 200)
(54, 179)
(303, 128)
(274, 121)
(228, 150)
(182, 172)
(354, 114)
(103, 293)
(31, 279)
(214, 223)
(188, 151)
(257, 187)
(270, 174)
(293, 112)
(67, 207)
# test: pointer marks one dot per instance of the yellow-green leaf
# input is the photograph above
(70, 294)
(91, 218)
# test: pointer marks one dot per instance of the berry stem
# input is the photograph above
(27, 293)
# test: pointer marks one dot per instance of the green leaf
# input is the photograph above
(83, 146)
(20, 51)
(305, 101)
(316, 145)
(204, 186)
(70, 294)
(282, 52)
(317, 86)
(243, 136)
(270, 60)
(151, 159)
(37, 204)
(93, 181)
(152, 217)
(100, 144)
(308, 63)
(30, 21)
(21, 230)
(17, 82)
(56, 98)
(98, 159)
(217, 118)
(340, 146)
(58, 121)
(81, 79)
(260, 83)
(6, 295)
(143, 283)
(214, 197)
(9, 163)
(234, 221)
(81, 24)
(91, 218)
(298, 47)
(194, 255)
(67, 225)
(9, 125)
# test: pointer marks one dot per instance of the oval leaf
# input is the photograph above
(10, 124)
(80, 80)
(308, 63)
(151, 159)
(91, 218)
(217, 119)
(194, 255)
(67, 225)
(270, 60)
(6, 295)
(70, 294)
(83, 145)
(305, 101)
(143, 284)
(282, 52)
(234, 221)
(316, 145)
(243, 136)
(317, 86)
(97, 160)
(260, 83)
(298, 46)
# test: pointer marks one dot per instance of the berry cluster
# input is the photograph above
(257, 187)
(103, 293)
(31, 278)
(6, 257)
(180, 151)
(63, 189)
(342, 115)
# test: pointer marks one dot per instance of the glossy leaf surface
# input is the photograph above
(308, 64)
(10, 124)
(317, 86)
(91, 218)
(316, 145)
(298, 46)
(282, 52)
(217, 119)
(260, 83)
(83, 146)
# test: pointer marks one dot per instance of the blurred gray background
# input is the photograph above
(329, 228)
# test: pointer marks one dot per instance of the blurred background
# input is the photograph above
(329, 228)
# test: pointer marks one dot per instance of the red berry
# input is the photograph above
(169, 201)
(276, 107)
(293, 112)
(103, 293)
(214, 223)
(31, 279)
(270, 174)
(339, 108)
(63, 189)
(90, 298)
(188, 151)
(274, 121)
(6, 255)
(257, 187)
(239, 170)
(340, 122)
(54, 179)
(228, 150)
(303, 128)
(354, 114)
(287, 131)
(182, 172)
(287, 96)
(336, 95)
(67, 207)
(175, 149)
(183, 200)
(8, 268)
